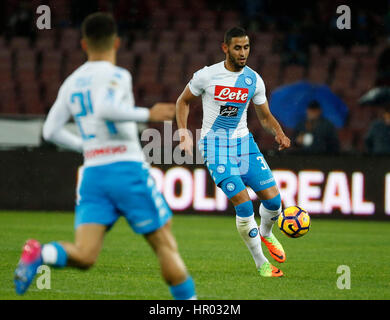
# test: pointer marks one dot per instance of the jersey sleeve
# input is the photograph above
(53, 128)
(115, 101)
(259, 97)
(198, 82)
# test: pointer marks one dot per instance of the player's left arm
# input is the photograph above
(54, 127)
(271, 125)
(267, 120)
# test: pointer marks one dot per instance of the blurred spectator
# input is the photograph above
(131, 14)
(362, 30)
(377, 139)
(253, 13)
(295, 49)
(80, 9)
(20, 23)
(316, 134)
(383, 67)
(386, 23)
(3, 15)
(314, 33)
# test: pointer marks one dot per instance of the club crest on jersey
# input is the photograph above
(248, 81)
(221, 168)
(231, 94)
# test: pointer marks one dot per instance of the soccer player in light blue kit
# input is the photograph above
(228, 148)
(114, 180)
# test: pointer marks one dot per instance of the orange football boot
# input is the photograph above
(268, 270)
(274, 247)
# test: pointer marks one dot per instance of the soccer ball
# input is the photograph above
(294, 222)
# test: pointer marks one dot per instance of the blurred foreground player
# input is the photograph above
(228, 148)
(114, 179)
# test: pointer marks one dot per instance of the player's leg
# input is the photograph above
(173, 269)
(246, 224)
(94, 213)
(226, 175)
(247, 227)
(82, 254)
(269, 210)
(148, 214)
(224, 168)
(260, 178)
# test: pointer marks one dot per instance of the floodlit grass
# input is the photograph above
(216, 257)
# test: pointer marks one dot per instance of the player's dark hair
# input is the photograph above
(235, 32)
(99, 29)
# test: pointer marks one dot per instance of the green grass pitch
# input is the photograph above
(216, 257)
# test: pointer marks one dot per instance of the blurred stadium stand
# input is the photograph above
(165, 42)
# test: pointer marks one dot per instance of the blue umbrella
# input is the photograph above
(289, 103)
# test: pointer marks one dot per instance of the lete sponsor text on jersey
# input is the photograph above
(231, 94)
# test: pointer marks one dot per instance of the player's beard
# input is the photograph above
(237, 66)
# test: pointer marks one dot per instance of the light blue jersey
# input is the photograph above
(114, 179)
(228, 149)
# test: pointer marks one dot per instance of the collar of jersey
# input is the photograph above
(233, 72)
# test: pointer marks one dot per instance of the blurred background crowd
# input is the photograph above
(295, 46)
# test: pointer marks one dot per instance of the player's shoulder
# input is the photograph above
(107, 72)
(121, 73)
(110, 71)
(208, 71)
(201, 72)
(96, 74)
(253, 73)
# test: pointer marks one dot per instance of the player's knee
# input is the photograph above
(234, 189)
(87, 260)
(244, 209)
(162, 239)
(87, 264)
(272, 204)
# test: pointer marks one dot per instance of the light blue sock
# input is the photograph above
(54, 254)
(244, 209)
(269, 212)
(272, 204)
(184, 290)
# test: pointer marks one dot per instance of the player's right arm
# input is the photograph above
(161, 111)
(53, 128)
(182, 111)
(193, 89)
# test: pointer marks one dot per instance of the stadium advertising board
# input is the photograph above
(344, 186)
(325, 186)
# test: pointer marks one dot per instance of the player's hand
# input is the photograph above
(283, 141)
(186, 143)
(162, 111)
